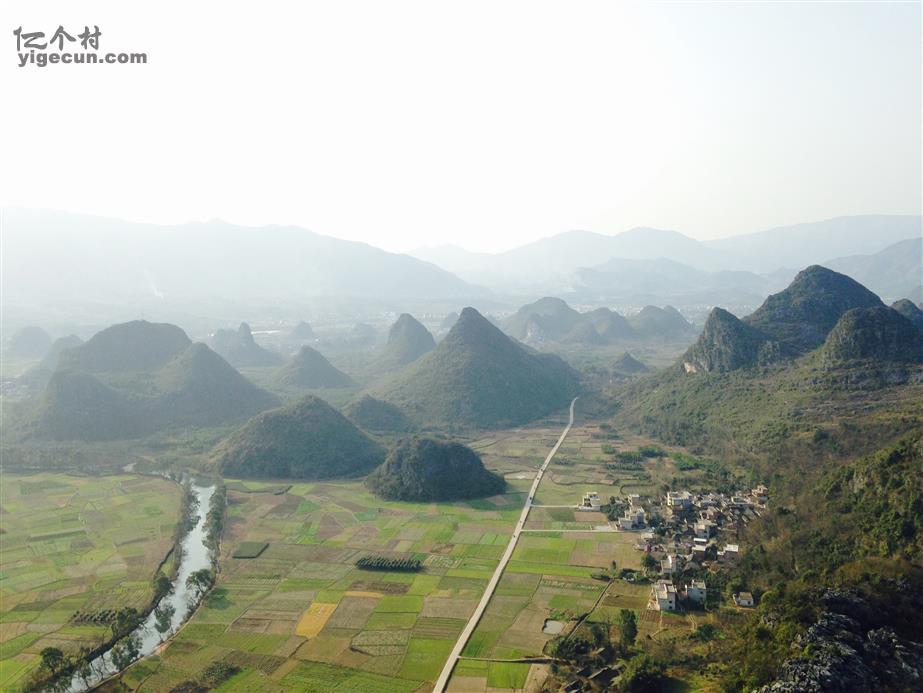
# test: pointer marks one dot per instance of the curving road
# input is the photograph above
(446, 673)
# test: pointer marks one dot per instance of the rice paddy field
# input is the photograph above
(290, 610)
(75, 545)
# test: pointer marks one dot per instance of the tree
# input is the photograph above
(628, 627)
(649, 561)
(162, 585)
(643, 674)
(163, 617)
(125, 621)
(125, 651)
(52, 659)
(199, 581)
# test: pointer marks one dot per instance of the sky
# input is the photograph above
(480, 124)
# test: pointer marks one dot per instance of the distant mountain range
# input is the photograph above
(52, 256)
(239, 348)
(653, 265)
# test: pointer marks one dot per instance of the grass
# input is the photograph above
(75, 544)
(250, 549)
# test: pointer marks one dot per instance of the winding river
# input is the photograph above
(194, 556)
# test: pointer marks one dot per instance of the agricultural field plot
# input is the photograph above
(299, 615)
(75, 545)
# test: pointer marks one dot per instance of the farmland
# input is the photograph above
(75, 545)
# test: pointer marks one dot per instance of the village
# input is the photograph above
(682, 533)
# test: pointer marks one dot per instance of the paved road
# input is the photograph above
(443, 679)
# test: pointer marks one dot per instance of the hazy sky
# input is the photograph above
(485, 124)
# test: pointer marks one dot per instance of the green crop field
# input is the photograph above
(75, 545)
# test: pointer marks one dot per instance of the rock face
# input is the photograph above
(909, 310)
(727, 344)
(408, 340)
(29, 343)
(629, 365)
(479, 377)
(801, 316)
(240, 350)
(850, 651)
(878, 333)
(427, 470)
(310, 369)
(305, 440)
(374, 415)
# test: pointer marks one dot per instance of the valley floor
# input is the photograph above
(71, 547)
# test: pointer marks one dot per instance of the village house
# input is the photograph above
(697, 592)
(669, 565)
(590, 501)
(729, 554)
(744, 599)
(704, 529)
(679, 499)
(633, 519)
(663, 596)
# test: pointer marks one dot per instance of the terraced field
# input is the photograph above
(75, 545)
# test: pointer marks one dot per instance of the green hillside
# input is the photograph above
(478, 377)
(407, 341)
(374, 415)
(132, 346)
(801, 316)
(103, 390)
(909, 310)
(427, 470)
(629, 365)
(878, 334)
(652, 322)
(310, 369)
(305, 440)
(727, 344)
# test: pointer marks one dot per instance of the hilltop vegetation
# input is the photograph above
(877, 333)
(801, 316)
(427, 470)
(818, 306)
(310, 369)
(481, 378)
(377, 416)
(408, 340)
(305, 440)
(134, 379)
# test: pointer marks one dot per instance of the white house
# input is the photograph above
(679, 499)
(697, 591)
(744, 599)
(704, 529)
(633, 519)
(663, 596)
(669, 565)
